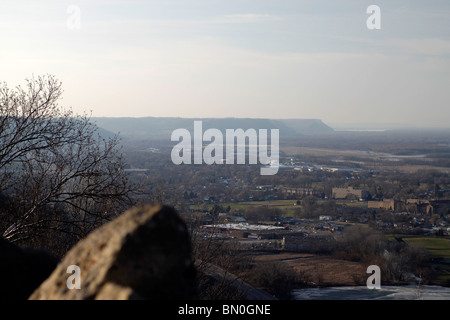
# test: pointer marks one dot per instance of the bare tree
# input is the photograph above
(56, 171)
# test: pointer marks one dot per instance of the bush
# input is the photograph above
(396, 259)
(277, 278)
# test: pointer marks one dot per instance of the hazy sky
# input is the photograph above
(246, 58)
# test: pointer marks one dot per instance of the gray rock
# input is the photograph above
(145, 253)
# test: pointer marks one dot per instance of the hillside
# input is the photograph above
(161, 128)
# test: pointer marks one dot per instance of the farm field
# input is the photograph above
(318, 269)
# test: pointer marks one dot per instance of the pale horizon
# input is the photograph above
(242, 59)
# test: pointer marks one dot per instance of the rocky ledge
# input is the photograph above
(145, 253)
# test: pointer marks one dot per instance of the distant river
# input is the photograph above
(409, 292)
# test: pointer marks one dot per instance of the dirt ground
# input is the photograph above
(320, 270)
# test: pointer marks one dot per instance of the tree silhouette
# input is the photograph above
(56, 171)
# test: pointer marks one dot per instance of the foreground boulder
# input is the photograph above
(22, 270)
(145, 253)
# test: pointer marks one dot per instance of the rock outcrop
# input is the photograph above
(145, 253)
(22, 270)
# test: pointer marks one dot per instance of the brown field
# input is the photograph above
(411, 168)
(320, 270)
(383, 160)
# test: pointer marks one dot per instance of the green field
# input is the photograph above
(287, 206)
(438, 247)
(348, 203)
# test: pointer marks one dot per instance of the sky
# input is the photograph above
(248, 58)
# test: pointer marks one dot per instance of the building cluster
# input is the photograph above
(298, 192)
(440, 207)
(387, 204)
(293, 237)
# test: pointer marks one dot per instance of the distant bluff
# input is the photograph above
(162, 127)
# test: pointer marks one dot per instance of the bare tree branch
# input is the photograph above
(51, 157)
